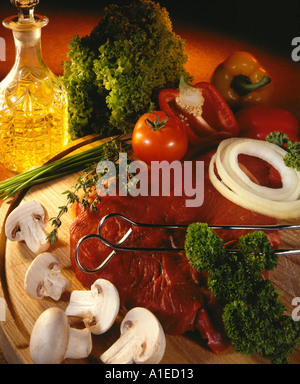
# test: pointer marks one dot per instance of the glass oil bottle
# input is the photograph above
(33, 102)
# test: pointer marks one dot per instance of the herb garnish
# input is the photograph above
(292, 157)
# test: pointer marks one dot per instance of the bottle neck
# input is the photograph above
(28, 48)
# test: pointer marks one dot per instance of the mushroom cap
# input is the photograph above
(29, 208)
(107, 306)
(38, 271)
(151, 333)
(50, 336)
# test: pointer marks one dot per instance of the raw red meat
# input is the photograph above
(165, 283)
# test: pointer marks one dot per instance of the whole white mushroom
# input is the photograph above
(53, 340)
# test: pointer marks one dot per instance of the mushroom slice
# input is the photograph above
(98, 307)
(142, 340)
(43, 278)
(27, 223)
(53, 340)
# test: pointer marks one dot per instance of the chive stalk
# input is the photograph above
(61, 167)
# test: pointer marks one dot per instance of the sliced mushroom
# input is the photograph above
(98, 307)
(43, 278)
(53, 340)
(27, 223)
(142, 340)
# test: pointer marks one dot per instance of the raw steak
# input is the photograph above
(165, 283)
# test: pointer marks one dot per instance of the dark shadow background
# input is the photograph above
(266, 23)
(271, 23)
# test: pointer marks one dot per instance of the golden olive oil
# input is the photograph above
(31, 128)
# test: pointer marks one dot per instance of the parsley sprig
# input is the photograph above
(292, 157)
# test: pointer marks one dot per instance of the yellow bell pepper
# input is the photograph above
(242, 81)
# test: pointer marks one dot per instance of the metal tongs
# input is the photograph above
(118, 247)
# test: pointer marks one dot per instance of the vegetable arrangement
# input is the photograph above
(116, 78)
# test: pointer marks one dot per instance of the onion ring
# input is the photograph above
(235, 185)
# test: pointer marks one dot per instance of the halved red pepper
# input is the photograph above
(217, 121)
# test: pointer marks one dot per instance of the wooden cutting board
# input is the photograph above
(21, 311)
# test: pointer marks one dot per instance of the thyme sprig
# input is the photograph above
(84, 190)
(85, 183)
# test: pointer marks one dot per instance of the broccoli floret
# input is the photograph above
(253, 314)
(114, 75)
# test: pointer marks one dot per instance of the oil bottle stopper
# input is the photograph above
(25, 9)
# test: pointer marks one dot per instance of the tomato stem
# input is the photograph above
(156, 124)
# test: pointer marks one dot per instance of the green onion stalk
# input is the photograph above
(62, 167)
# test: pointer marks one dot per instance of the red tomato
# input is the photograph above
(166, 143)
(257, 122)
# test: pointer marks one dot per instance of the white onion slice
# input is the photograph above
(236, 186)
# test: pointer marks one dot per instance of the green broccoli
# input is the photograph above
(115, 74)
(253, 315)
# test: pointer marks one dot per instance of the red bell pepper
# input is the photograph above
(258, 121)
(215, 121)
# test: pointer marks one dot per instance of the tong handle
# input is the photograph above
(118, 247)
(275, 227)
